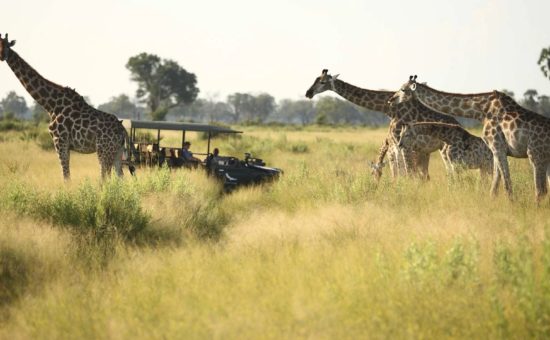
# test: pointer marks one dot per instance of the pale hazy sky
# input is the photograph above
(280, 46)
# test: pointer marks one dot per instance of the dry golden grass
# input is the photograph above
(325, 252)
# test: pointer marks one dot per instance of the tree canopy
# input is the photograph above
(13, 105)
(162, 83)
(121, 106)
(544, 62)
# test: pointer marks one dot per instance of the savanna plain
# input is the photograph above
(325, 252)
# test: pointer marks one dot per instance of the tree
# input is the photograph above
(544, 62)
(121, 106)
(262, 106)
(544, 105)
(14, 105)
(162, 83)
(301, 111)
(39, 114)
(338, 111)
(210, 110)
(241, 105)
(529, 100)
(508, 92)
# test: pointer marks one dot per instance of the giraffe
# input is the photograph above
(464, 150)
(508, 129)
(375, 101)
(74, 125)
(369, 99)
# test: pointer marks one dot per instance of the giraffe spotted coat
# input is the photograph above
(74, 125)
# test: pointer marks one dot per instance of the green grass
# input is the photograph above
(325, 252)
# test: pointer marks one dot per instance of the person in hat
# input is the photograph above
(188, 155)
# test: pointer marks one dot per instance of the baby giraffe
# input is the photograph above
(464, 150)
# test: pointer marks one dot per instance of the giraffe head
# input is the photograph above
(5, 47)
(376, 169)
(322, 83)
(405, 92)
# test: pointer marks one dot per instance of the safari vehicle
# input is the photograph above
(230, 170)
(234, 172)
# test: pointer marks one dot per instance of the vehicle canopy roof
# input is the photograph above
(156, 125)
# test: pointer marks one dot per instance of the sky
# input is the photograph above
(280, 47)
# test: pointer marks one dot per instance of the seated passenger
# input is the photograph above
(174, 160)
(212, 158)
(188, 155)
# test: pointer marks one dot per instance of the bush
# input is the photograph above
(299, 148)
(13, 274)
(14, 125)
(44, 140)
(114, 208)
(119, 210)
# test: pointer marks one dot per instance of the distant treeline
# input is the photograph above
(247, 108)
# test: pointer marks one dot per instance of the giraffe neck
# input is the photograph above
(369, 99)
(45, 92)
(473, 106)
(448, 133)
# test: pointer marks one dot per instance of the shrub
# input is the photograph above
(119, 210)
(44, 140)
(299, 148)
(13, 274)
(115, 208)
(205, 220)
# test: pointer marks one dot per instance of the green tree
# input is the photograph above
(210, 110)
(241, 105)
(301, 111)
(162, 83)
(544, 105)
(121, 106)
(13, 105)
(262, 106)
(39, 115)
(530, 101)
(508, 92)
(338, 111)
(544, 62)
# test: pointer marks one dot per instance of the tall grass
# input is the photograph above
(324, 252)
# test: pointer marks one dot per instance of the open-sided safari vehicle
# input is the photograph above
(230, 170)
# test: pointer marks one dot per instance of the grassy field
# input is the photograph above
(325, 252)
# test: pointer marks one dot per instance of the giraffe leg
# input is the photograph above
(541, 189)
(540, 170)
(409, 161)
(495, 184)
(393, 162)
(455, 161)
(501, 163)
(423, 163)
(64, 158)
(401, 167)
(379, 164)
(485, 169)
(106, 160)
(396, 162)
(117, 162)
(484, 172)
(445, 157)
